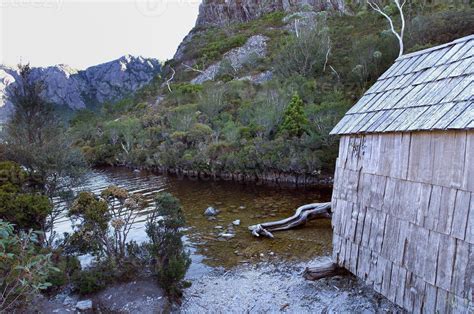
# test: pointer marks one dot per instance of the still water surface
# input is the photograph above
(249, 203)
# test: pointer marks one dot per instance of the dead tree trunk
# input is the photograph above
(324, 270)
(302, 215)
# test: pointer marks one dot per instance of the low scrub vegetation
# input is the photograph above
(232, 126)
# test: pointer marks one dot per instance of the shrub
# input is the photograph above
(68, 266)
(170, 261)
(23, 269)
(19, 203)
(104, 222)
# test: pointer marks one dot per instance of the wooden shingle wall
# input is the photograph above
(404, 216)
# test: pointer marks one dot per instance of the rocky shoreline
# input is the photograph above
(280, 287)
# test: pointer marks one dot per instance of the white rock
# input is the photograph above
(210, 211)
(84, 305)
(227, 235)
(236, 222)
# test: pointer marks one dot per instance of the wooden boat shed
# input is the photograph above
(403, 200)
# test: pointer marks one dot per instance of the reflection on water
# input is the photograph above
(248, 203)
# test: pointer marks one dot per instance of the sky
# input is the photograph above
(82, 33)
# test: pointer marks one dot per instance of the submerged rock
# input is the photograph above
(211, 211)
(227, 235)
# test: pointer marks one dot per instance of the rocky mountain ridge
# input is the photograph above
(218, 12)
(77, 89)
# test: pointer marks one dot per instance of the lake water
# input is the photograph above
(249, 203)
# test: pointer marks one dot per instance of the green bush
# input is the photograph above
(170, 260)
(68, 266)
(19, 203)
(24, 270)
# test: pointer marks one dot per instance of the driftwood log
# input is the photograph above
(301, 216)
(324, 270)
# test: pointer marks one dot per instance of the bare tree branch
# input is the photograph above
(188, 67)
(335, 72)
(296, 28)
(170, 79)
(327, 54)
(400, 35)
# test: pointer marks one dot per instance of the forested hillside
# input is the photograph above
(256, 100)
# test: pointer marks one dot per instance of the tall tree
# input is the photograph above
(36, 139)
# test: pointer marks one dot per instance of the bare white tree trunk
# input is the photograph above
(400, 34)
(170, 79)
(302, 215)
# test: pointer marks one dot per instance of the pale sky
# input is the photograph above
(81, 33)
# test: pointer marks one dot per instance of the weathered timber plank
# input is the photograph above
(359, 266)
(445, 262)
(400, 289)
(375, 226)
(432, 216)
(367, 223)
(401, 241)
(470, 222)
(387, 154)
(421, 249)
(360, 225)
(429, 305)
(353, 222)
(380, 268)
(392, 292)
(377, 191)
(460, 280)
(441, 301)
(420, 164)
(445, 217)
(449, 155)
(365, 188)
(461, 212)
(430, 260)
(380, 233)
(423, 204)
(372, 269)
(468, 180)
(390, 238)
(389, 195)
(419, 294)
(400, 166)
(410, 201)
(411, 247)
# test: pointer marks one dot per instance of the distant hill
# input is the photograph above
(72, 89)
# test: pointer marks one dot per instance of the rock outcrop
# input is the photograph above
(255, 47)
(220, 12)
(70, 88)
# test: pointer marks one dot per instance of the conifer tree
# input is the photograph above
(294, 119)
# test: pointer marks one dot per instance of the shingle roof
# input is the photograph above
(430, 89)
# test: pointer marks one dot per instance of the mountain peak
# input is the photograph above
(218, 12)
(77, 89)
